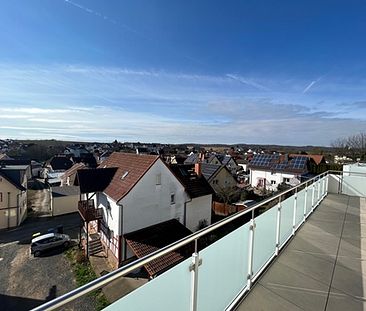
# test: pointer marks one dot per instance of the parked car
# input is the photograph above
(49, 241)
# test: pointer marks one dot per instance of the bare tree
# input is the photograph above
(354, 145)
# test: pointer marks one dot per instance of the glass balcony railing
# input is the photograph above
(217, 276)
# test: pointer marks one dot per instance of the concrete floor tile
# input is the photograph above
(298, 288)
(339, 301)
(262, 299)
(315, 242)
(356, 230)
(353, 247)
(355, 217)
(323, 227)
(349, 278)
(316, 266)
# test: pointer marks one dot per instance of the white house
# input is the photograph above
(13, 195)
(267, 171)
(131, 192)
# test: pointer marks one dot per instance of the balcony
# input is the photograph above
(305, 252)
(88, 212)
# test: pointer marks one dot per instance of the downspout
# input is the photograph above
(51, 201)
(122, 244)
(8, 210)
(18, 208)
(185, 212)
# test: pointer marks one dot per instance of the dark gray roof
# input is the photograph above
(192, 159)
(209, 170)
(60, 163)
(14, 176)
(94, 180)
(65, 191)
(194, 185)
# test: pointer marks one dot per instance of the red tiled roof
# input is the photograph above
(148, 240)
(133, 166)
(318, 158)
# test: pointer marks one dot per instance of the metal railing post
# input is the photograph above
(295, 209)
(319, 189)
(278, 226)
(327, 184)
(193, 268)
(305, 201)
(250, 252)
(313, 196)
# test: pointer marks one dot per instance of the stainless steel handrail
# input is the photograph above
(103, 280)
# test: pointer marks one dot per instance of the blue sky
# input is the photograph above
(267, 72)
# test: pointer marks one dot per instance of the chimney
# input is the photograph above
(198, 169)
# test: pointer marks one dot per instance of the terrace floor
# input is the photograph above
(323, 267)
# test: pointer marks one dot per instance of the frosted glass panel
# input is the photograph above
(300, 206)
(309, 199)
(224, 270)
(169, 291)
(316, 184)
(354, 185)
(264, 238)
(287, 214)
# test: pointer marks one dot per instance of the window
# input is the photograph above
(286, 179)
(172, 198)
(1, 196)
(273, 182)
(158, 179)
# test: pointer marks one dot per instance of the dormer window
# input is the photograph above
(124, 175)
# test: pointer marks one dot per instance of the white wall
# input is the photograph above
(148, 204)
(359, 168)
(198, 209)
(14, 199)
(333, 183)
(111, 212)
(65, 204)
(277, 177)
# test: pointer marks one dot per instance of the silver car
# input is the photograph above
(49, 241)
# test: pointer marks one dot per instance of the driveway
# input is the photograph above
(39, 198)
(26, 281)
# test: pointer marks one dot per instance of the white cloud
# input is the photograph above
(100, 103)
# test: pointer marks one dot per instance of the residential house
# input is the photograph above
(214, 159)
(129, 192)
(267, 171)
(230, 163)
(199, 206)
(59, 163)
(218, 176)
(13, 195)
(76, 151)
(68, 177)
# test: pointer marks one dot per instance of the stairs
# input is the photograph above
(95, 245)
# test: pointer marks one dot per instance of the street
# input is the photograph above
(26, 281)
